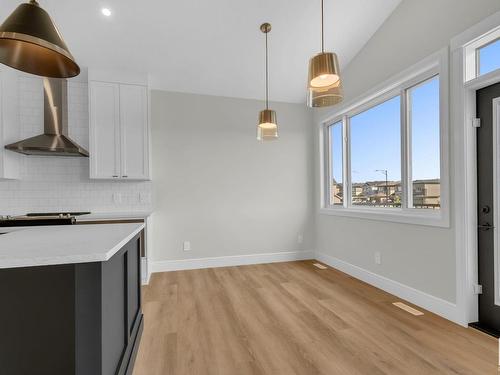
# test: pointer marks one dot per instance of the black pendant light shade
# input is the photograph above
(30, 42)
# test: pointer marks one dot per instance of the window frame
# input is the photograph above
(328, 162)
(478, 55)
(471, 54)
(435, 65)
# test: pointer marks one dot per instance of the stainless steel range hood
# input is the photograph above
(55, 140)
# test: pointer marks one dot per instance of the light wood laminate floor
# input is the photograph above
(292, 318)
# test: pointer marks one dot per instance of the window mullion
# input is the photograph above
(409, 164)
(346, 162)
(406, 196)
(327, 165)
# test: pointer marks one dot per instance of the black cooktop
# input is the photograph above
(40, 218)
(56, 214)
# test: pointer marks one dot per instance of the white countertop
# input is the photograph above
(63, 244)
(114, 215)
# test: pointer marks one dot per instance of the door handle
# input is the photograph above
(485, 227)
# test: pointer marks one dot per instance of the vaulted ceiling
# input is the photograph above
(214, 47)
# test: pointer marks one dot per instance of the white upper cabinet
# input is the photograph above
(119, 131)
(10, 161)
(104, 130)
(133, 138)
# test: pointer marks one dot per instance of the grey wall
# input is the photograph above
(418, 256)
(215, 185)
(415, 30)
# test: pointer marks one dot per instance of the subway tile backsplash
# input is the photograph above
(62, 183)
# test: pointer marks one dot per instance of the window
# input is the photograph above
(385, 154)
(423, 118)
(375, 136)
(482, 55)
(488, 57)
(336, 164)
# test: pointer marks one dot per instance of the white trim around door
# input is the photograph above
(496, 194)
(464, 157)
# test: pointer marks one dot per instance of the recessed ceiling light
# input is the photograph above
(106, 12)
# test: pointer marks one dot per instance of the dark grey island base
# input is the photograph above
(82, 319)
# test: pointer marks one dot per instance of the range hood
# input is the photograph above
(55, 140)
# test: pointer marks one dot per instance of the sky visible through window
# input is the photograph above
(425, 130)
(336, 151)
(489, 57)
(375, 149)
(376, 143)
(375, 139)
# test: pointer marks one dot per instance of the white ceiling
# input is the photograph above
(214, 47)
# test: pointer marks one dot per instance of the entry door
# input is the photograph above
(488, 175)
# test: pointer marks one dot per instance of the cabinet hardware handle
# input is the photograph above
(125, 176)
(115, 176)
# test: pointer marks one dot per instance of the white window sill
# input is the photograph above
(394, 215)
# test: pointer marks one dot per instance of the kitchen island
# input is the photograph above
(71, 301)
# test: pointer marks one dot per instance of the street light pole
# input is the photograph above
(384, 171)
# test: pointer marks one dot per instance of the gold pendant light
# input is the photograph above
(268, 127)
(30, 42)
(325, 96)
(325, 86)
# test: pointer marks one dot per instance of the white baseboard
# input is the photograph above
(431, 303)
(145, 274)
(145, 280)
(235, 260)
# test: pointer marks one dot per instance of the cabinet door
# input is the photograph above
(104, 130)
(9, 123)
(134, 283)
(134, 132)
(115, 337)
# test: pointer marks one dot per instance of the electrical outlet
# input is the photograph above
(186, 246)
(300, 238)
(378, 257)
(117, 198)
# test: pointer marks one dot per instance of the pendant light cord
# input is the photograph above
(322, 28)
(267, 77)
